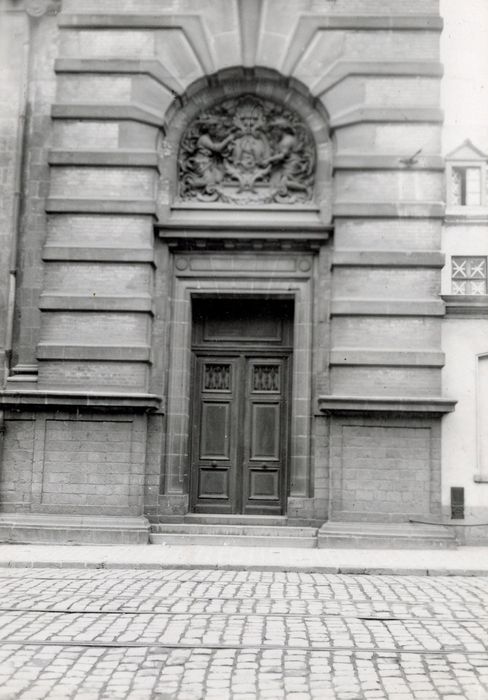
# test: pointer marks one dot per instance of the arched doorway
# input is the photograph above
(248, 177)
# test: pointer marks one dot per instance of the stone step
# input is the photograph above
(229, 540)
(355, 535)
(45, 528)
(214, 519)
(232, 530)
(227, 532)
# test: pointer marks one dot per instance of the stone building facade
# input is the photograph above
(222, 261)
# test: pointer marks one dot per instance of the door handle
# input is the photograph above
(264, 466)
(213, 464)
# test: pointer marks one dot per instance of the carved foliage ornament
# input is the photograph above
(245, 151)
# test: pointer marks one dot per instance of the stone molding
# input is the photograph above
(466, 306)
(341, 69)
(385, 258)
(78, 400)
(243, 242)
(123, 112)
(393, 307)
(384, 404)
(467, 216)
(116, 158)
(191, 26)
(51, 301)
(386, 358)
(115, 353)
(224, 224)
(81, 205)
(337, 72)
(389, 210)
(72, 253)
(408, 115)
(309, 24)
(374, 161)
(151, 67)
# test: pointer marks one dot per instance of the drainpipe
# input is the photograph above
(17, 196)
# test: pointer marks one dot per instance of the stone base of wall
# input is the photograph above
(170, 507)
(90, 463)
(473, 530)
(384, 468)
(73, 463)
(475, 536)
(305, 511)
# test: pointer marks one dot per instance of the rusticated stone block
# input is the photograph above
(83, 328)
(115, 376)
(132, 183)
(385, 381)
(90, 463)
(16, 468)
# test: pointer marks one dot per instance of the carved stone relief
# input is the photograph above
(247, 151)
(38, 8)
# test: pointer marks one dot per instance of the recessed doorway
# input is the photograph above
(241, 388)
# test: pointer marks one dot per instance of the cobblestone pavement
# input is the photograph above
(213, 635)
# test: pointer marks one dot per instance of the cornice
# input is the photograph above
(466, 306)
(77, 400)
(331, 404)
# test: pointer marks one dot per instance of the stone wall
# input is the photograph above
(112, 86)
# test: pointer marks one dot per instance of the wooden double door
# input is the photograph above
(240, 406)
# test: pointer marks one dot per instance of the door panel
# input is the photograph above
(217, 376)
(265, 441)
(215, 430)
(266, 378)
(265, 431)
(213, 483)
(240, 408)
(264, 485)
(240, 329)
(214, 441)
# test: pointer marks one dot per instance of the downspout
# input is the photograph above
(17, 197)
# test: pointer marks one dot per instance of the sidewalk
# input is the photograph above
(467, 561)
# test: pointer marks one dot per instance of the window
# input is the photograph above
(466, 186)
(468, 275)
(466, 180)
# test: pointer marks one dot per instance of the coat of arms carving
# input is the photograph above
(245, 151)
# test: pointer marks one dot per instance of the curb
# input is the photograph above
(151, 566)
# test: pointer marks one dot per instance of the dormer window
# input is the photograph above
(466, 180)
(466, 186)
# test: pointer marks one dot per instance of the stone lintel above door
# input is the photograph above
(286, 228)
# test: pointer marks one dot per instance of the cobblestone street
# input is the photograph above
(191, 634)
